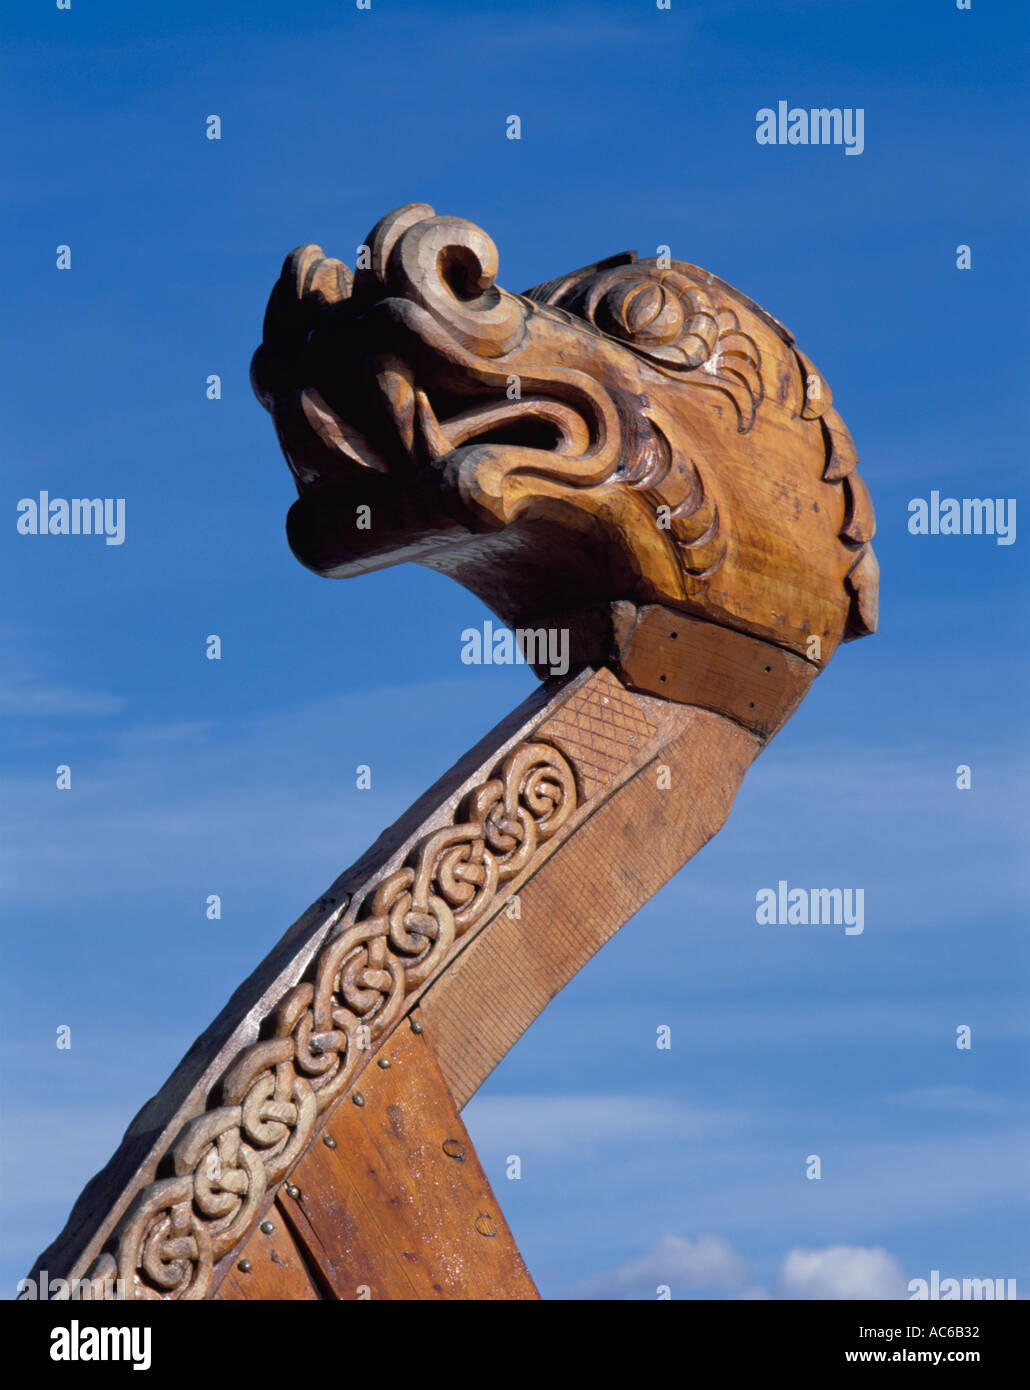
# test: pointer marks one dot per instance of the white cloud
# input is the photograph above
(840, 1272)
(159, 806)
(569, 1126)
(879, 1181)
(21, 695)
(709, 1262)
(961, 1098)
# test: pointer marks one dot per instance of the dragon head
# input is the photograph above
(635, 430)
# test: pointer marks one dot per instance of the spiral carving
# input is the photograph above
(448, 267)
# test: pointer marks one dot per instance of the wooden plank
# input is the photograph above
(697, 663)
(270, 1266)
(396, 1205)
(481, 1006)
(341, 1236)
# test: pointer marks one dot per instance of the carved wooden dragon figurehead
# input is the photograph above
(634, 450)
(635, 431)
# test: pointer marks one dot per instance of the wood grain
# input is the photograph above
(399, 1207)
(697, 663)
(271, 1266)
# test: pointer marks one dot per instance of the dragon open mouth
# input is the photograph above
(323, 449)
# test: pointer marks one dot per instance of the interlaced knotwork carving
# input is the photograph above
(378, 953)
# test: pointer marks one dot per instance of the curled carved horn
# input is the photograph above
(370, 279)
(448, 267)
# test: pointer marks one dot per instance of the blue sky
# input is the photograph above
(237, 777)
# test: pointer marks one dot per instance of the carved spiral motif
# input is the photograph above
(448, 267)
(663, 314)
(227, 1158)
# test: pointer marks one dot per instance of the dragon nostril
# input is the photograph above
(461, 272)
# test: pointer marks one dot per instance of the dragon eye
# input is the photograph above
(642, 311)
(662, 314)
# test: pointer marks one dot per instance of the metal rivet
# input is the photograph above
(673, 634)
(243, 1265)
(267, 1227)
(454, 1148)
(384, 1062)
(358, 1098)
(661, 678)
(329, 1141)
(416, 1027)
(750, 704)
(293, 1190)
(484, 1224)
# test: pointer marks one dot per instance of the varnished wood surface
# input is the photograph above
(680, 658)
(676, 800)
(636, 429)
(398, 1207)
(270, 1267)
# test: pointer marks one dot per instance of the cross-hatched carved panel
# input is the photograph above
(601, 729)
